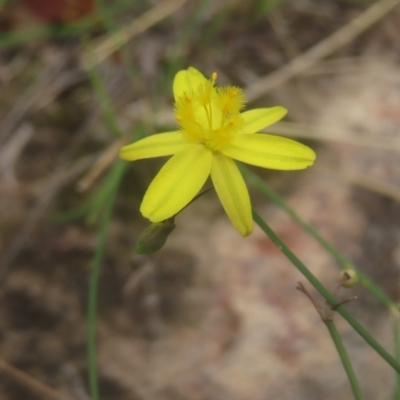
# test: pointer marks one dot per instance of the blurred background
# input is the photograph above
(212, 315)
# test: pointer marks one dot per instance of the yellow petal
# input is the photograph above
(187, 81)
(162, 144)
(232, 191)
(259, 118)
(178, 181)
(269, 151)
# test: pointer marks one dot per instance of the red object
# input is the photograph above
(59, 11)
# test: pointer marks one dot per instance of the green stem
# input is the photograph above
(336, 254)
(94, 283)
(325, 293)
(345, 359)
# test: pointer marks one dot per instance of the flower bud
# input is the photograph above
(349, 278)
(154, 237)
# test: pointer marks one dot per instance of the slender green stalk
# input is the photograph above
(117, 174)
(325, 293)
(345, 359)
(336, 254)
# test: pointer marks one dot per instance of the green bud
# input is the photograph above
(154, 237)
(349, 277)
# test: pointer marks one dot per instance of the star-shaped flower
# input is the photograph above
(213, 132)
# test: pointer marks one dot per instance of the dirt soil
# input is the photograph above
(212, 315)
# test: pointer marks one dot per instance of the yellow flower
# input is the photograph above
(213, 132)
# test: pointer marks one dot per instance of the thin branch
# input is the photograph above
(110, 44)
(31, 383)
(321, 50)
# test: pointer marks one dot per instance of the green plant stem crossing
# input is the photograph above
(325, 292)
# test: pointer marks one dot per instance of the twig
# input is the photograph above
(322, 133)
(376, 185)
(136, 279)
(10, 152)
(102, 163)
(61, 177)
(327, 46)
(373, 184)
(326, 313)
(31, 383)
(49, 84)
(108, 45)
(279, 26)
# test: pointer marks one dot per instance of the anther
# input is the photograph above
(214, 77)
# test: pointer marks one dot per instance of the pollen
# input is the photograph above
(231, 99)
(210, 115)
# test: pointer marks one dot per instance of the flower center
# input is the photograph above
(210, 114)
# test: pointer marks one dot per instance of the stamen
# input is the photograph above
(210, 114)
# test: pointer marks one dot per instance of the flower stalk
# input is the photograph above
(325, 292)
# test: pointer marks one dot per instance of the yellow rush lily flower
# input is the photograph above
(213, 132)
